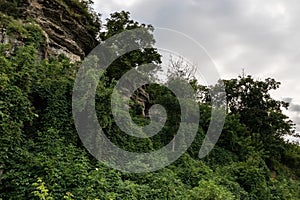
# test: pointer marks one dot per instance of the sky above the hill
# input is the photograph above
(261, 37)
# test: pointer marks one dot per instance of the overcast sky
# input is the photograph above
(261, 37)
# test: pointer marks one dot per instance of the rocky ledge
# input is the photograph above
(66, 25)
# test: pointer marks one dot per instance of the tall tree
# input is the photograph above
(251, 100)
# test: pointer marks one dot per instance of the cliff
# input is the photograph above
(67, 26)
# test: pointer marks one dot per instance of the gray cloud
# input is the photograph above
(295, 108)
(287, 99)
(293, 112)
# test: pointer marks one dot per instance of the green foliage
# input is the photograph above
(210, 190)
(84, 13)
(282, 188)
(41, 190)
(42, 157)
(259, 112)
(253, 176)
(118, 23)
(9, 7)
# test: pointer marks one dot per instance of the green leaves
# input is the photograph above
(41, 191)
(251, 101)
(42, 157)
(210, 190)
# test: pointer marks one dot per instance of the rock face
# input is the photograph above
(143, 99)
(64, 26)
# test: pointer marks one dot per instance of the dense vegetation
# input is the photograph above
(42, 157)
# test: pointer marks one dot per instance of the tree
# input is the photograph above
(251, 100)
(118, 23)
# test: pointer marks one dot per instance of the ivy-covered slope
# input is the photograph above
(42, 157)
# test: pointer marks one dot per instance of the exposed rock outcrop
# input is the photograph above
(65, 27)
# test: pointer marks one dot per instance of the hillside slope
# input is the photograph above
(42, 157)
